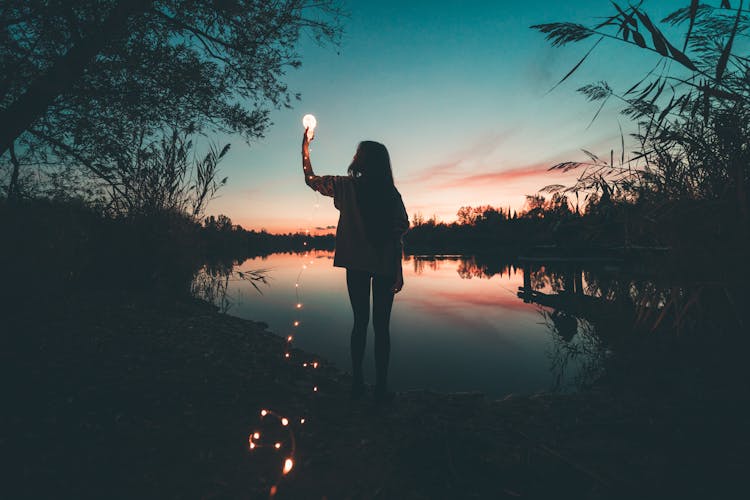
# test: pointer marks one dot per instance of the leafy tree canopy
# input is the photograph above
(93, 82)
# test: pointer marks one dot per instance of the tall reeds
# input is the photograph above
(692, 110)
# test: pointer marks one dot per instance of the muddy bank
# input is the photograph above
(125, 397)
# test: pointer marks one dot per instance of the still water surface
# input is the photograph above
(453, 327)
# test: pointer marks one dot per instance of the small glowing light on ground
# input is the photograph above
(286, 355)
(288, 464)
(296, 323)
(302, 421)
(315, 389)
(284, 421)
(252, 445)
(256, 435)
(263, 413)
(289, 338)
(315, 364)
(304, 365)
(277, 445)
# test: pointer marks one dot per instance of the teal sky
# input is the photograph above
(457, 91)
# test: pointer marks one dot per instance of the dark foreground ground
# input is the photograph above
(116, 397)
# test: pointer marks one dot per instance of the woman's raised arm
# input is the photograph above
(322, 184)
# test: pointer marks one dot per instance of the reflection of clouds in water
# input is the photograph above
(494, 301)
(466, 334)
(464, 322)
(486, 309)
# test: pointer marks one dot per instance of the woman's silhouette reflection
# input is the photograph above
(372, 221)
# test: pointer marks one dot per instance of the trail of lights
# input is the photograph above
(256, 439)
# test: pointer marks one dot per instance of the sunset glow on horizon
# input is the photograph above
(460, 96)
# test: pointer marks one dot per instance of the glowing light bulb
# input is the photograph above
(299, 306)
(289, 338)
(284, 421)
(286, 354)
(252, 445)
(288, 464)
(309, 122)
(277, 445)
(302, 421)
(256, 435)
(296, 323)
(315, 364)
(263, 413)
(315, 389)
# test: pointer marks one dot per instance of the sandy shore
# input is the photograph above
(116, 397)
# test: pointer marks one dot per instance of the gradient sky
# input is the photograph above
(457, 91)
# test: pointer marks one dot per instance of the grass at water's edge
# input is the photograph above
(124, 397)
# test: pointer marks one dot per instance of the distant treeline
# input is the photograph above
(222, 238)
(56, 246)
(689, 229)
(487, 228)
(68, 244)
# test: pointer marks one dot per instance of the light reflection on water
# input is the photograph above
(452, 330)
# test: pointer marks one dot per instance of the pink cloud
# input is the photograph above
(451, 308)
(478, 151)
(502, 176)
(429, 173)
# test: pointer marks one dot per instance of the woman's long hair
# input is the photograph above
(376, 192)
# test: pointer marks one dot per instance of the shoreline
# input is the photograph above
(159, 398)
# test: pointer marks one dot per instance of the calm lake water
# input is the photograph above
(455, 327)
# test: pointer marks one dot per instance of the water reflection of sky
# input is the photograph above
(448, 333)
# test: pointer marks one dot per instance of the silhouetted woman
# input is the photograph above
(372, 220)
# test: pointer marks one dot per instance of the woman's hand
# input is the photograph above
(399, 283)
